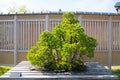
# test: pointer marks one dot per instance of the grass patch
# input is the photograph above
(116, 70)
(4, 69)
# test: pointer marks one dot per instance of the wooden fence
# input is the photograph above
(19, 34)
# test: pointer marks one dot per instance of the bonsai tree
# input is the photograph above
(64, 48)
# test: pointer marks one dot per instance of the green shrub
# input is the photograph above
(64, 47)
(59, 66)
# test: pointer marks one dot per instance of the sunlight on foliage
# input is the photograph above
(64, 47)
(4, 69)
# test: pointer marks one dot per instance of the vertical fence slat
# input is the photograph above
(31, 27)
(46, 22)
(39, 29)
(28, 35)
(23, 34)
(119, 33)
(105, 35)
(18, 35)
(9, 26)
(36, 32)
(4, 36)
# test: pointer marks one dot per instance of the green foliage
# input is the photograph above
(4, 69)
(64, 47)
(20, 9)
(59, 66)
(117, 72)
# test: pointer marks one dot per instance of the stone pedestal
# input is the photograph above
(94, 71)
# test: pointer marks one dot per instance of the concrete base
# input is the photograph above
(22, 72)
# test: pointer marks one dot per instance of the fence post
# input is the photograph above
(109, 42)
(80, 19)
(46, 22)
(15, 40)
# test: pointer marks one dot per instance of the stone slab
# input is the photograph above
(22, 72)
